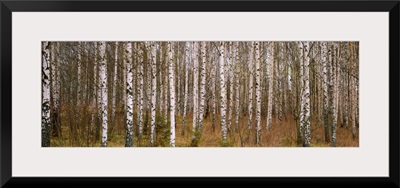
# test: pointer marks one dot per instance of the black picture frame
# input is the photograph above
(7, 7)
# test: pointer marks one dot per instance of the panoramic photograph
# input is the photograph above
(200, 94)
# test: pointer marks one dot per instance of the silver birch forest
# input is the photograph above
(200, 94)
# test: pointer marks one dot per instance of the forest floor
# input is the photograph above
(282, 134)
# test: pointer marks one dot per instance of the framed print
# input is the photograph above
(102, 93)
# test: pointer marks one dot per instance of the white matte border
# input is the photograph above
(30, 28)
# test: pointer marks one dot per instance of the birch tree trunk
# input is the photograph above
(153, 91)
(162, 59)
(237, 60)
(46, 94)
(114, 95)
(129, 99)
(172, 94)
(195, 89)
(325, 85)
(202, 85)
(166, 64)
(213, 87)
(331, 84)
(147, 95)
(352, 93)
(251, 69)
(270, 58)
(187, 54)
(258, 92)
(301, 117)
(305, 111)
(334, 94)
(279, 81)
(124, 76)
(140, 88)
(104, 92)
(230, 63)
(223, 92)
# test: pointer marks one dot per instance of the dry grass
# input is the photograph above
(283, 134)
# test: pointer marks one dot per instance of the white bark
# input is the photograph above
(335, 97)
(279, 81)
(270, 60)
(325, 86)
(237, 78)
(187, 54)
(166, 85)
(129, 96)
(148, 81)
(46, 94)
(223, 92)
(177, 80)
(352, 92)
(104, 96)
(202, 84)
(153, 91)
(230, 63)
(213, 87)
(162, 59)
(115, 82)
(306, 121)
(258, 92)
(251, 68)
(195, 88)
(140, 88)
(172, 94)
(301, 117)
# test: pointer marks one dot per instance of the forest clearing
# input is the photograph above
(200, 94)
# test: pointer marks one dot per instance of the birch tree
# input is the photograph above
(115, 82)
(270, 60)
(251, 69)
(140, 88)
(223, 92)
(202, 84)
(129, 100)
(352, 93)
(166, 65)
(237, 60)
(195, 88)
(104, 92)
(258, 92)
(162, 80)
(334, 94)
(230, 63)
(153, 91)
(213, 88)
(46, 94)
(172, 94)
(325, 85)
(187, 54)
(305, 110)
